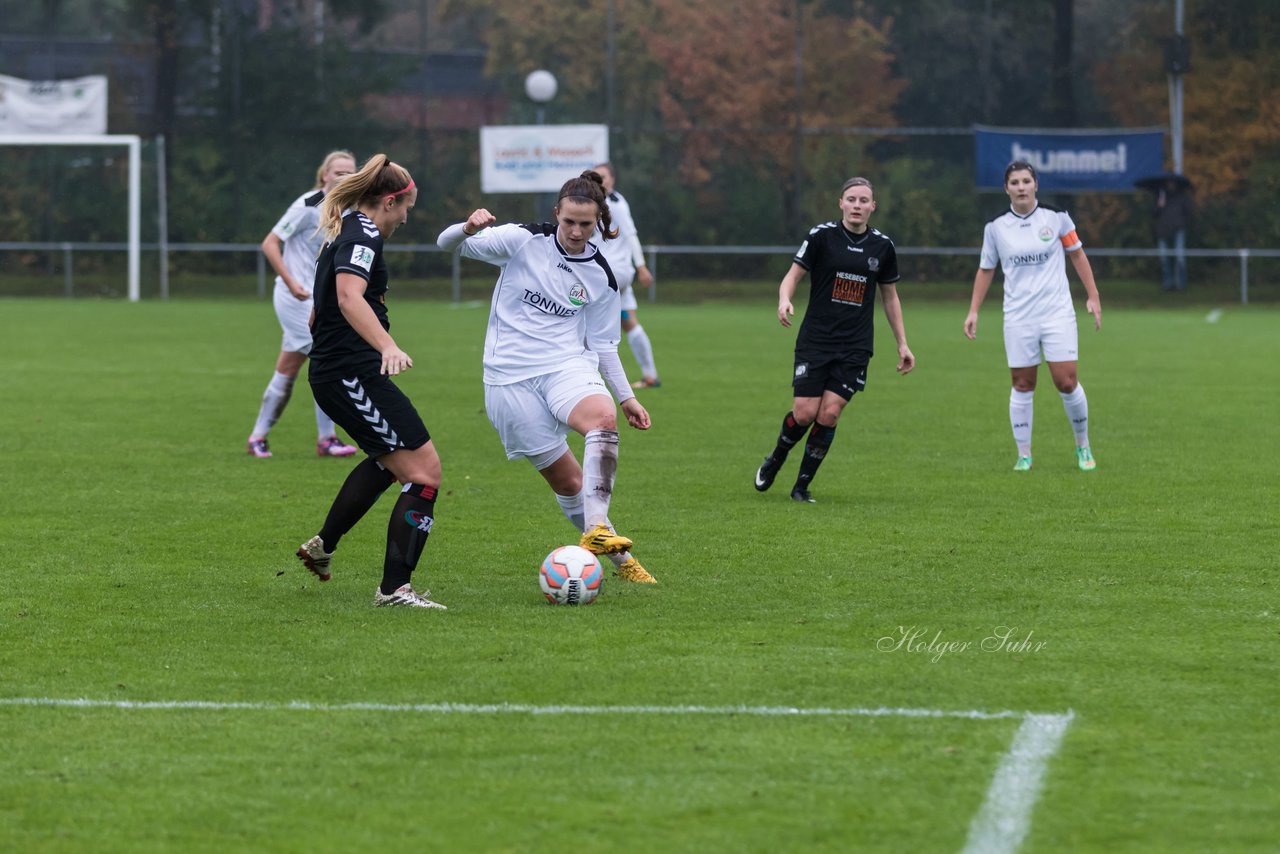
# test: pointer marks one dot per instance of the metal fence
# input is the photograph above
(66, 251)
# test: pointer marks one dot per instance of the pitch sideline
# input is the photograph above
(999, 827)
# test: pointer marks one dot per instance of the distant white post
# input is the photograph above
(134, 144)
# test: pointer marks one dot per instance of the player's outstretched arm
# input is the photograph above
(452, 237)
(637, 415)
(981, 284)
(786, 291)
(355, 309)
(1093, 302)
(893, 314)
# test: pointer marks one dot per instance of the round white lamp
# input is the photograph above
(540, 86)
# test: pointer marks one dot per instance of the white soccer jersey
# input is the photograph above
(297, 229)
(620, 251)
(547, 306)
(1031, 251)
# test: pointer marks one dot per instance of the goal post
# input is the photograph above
(134, 144)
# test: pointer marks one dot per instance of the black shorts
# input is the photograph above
(376, 415)
(841, 374)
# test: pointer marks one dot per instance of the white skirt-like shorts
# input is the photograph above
(1057, 338)
(532, 416)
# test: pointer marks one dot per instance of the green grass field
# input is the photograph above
(237, 704)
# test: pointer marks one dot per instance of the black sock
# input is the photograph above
(407, 532)
(792, 431)
(359, 492)
(815, 450)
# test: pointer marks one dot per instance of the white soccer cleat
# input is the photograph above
(405, 596)
(317, 560)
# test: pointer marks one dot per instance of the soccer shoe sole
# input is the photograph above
(322, 573)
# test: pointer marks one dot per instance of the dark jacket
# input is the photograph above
(1174, 210)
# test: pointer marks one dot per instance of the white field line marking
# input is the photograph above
(1005, 817)
(509, 708)
(1213, 316)
(1000, 826)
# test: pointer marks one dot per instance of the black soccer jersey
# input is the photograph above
(338, 350)
(844, 269)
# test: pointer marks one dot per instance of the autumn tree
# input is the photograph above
(1231, 102)
(758, 88)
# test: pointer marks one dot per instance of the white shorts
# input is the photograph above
(627, 295)
(294, 315)
(1057, 337)
(532, 416)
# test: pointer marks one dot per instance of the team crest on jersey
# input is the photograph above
(1046, 234)
(578, 294)
(873, 263)
(362, 256)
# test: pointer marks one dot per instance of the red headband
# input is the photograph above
(402, 192)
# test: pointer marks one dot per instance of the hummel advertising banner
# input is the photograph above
(538, 158)
(1070, 160)
(76, 106)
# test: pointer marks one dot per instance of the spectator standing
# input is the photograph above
(1173, 212)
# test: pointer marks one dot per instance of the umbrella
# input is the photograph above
(1155, 183)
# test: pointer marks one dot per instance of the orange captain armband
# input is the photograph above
(1070, 239)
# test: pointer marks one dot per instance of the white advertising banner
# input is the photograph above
(538, 158)
(76, 106)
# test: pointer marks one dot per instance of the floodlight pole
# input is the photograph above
(1175, 94)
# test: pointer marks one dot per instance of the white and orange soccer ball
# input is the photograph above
(571, 575)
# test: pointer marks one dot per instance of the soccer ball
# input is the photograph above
(571, 575)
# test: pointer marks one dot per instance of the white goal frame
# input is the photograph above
(134, 144)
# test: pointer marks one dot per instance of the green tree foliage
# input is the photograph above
(730, 123)
(1231, 108)
(720, 95)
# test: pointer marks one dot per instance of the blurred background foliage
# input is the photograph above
(730, 124)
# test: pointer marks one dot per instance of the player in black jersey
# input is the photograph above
(846, 261)
(352, 362)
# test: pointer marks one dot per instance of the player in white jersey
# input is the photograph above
(1030, 242)
(626, 257)
(553, 332)
(291, 248)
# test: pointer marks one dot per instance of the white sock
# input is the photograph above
(1077, 407)
(1020, 419)
(599, 467)
(274, 400)
(324, 424)
(643, 351)
(571, 506)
